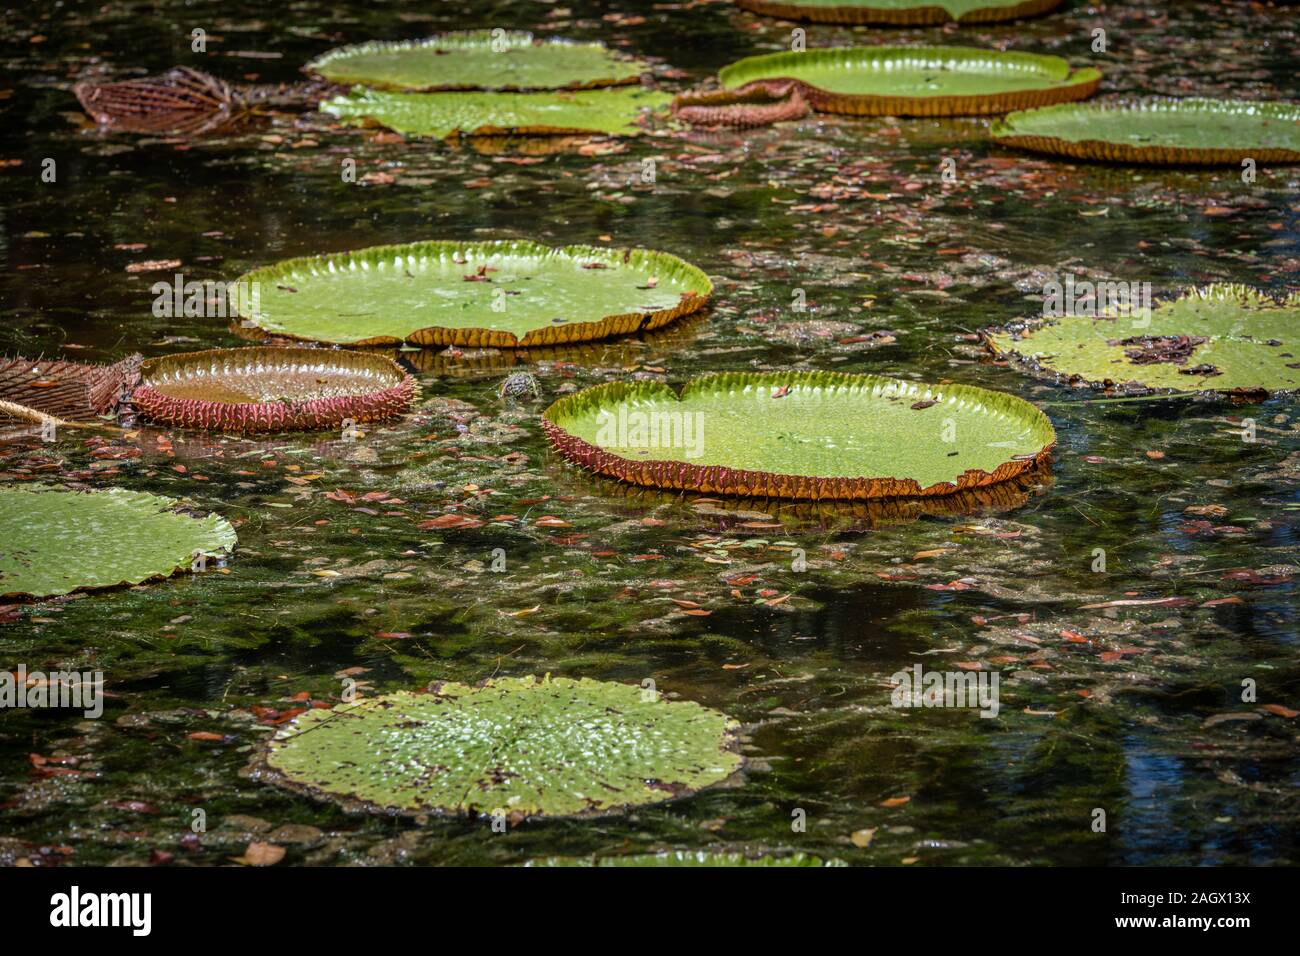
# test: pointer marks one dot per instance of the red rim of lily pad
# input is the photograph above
(202, 389)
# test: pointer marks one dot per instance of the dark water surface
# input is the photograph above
(854, 212)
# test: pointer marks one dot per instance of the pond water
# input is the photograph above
(811, 611)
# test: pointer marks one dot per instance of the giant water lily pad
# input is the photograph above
(500, 294)
(674, 858)
(1224, 338)
(477, 60)
(272, 389)
(806, 435)
(918, 81)
(54, 541)
(900, 12)
(523, 746)
(616, 112)
(1159, 130)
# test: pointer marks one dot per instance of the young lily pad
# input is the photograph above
(687, 858)
(479, 294)
(1160, 130)
(805, 435)
(900, 12)
(918, 81)
(478, 60)
(616, 112)
(524, 747)
(1223, 338)
(57, 541)
(272, 389)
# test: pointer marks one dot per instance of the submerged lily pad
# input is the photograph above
(272, 389)
(526, 747)
(478, 60)
(686, 858)
(806, 435)
(918, 81)
(1160, 130)
(616, 112)
(501, 294)
(56, 541)
(900, 12)
(1222, 338)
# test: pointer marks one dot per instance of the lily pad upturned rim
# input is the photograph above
(719, 479)
(921, 14)
(1102, 150)
(1032, 366)
(261, 769)
(464, 39)
(154, 402)
(213, 535)
(1067, 84)
(477, 337)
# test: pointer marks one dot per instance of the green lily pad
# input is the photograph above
(805, 435)
(525, 747)
(1160, 130)
(56, 541)
(478, 60)
(616, 112)
(900, 12)
(1224, 338)
(480, 294)
(918, 81)
(687, 858)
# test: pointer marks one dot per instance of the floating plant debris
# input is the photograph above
(57, 541)
(918, 81)
(805, 435)
(272, 389)
(522, 747)
(501, 294)
(1220, 338)
(1160, 130)
(478, 60)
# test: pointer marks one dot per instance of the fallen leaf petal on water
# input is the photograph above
(1280, 710)
(261, 854)
(862, 838)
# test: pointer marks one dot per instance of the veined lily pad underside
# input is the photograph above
(616, 112)
(900, 12)
(272, 389)
(802, 435)
(478, 60)
(498, 294)
(56, 541)
(521, 747)
(1160, 130)
(1223, 338)
(918, 81)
